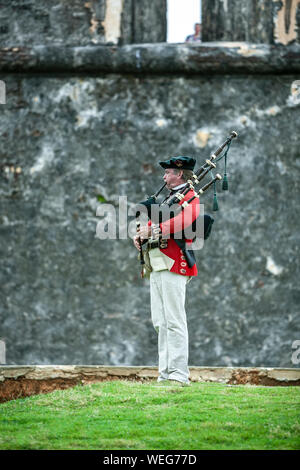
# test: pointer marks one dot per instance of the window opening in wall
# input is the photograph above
(184, 21)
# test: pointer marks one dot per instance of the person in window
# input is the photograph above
(196, 37)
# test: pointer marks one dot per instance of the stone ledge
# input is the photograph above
(159, 58)
(22, 381)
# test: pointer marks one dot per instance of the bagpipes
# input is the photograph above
(209, 165)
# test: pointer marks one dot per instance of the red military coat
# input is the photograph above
(177, 224)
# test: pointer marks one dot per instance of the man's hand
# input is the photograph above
(136, 243)
(143, 233)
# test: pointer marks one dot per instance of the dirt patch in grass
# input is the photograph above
(12, 388)
(18, 385)
(255, 377)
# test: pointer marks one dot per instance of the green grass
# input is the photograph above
(134, 415)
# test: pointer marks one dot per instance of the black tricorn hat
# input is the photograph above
(181, 163)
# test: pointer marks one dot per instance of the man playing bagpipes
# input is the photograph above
(170, 260)
(170, 271)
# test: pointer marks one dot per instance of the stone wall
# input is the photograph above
(83, 128)
(65, 22)
(258, 21)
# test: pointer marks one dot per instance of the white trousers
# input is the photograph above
(167, 292)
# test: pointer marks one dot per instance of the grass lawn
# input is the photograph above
(133, 415)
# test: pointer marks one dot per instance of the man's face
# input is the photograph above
(172, 179)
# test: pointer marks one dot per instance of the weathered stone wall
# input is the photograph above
(72, 139)
(69, 297)
(28, 22)
(258, 21)
(144, 21)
